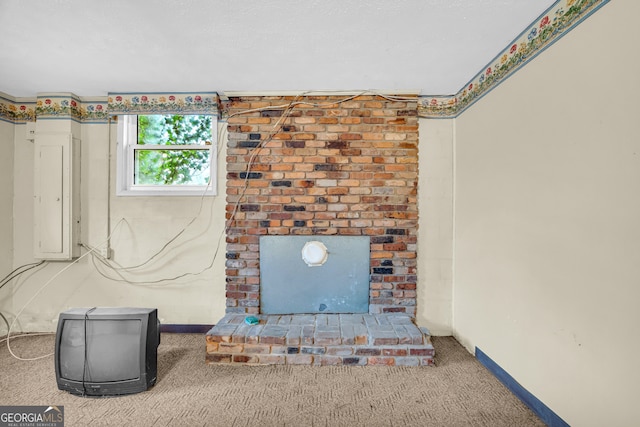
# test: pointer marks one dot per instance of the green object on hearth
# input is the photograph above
(251, 320)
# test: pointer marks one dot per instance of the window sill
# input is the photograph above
(166, 192)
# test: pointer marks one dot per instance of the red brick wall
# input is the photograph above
(335, 168)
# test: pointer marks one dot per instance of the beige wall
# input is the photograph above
(6, 212)
(547, 229)
(435, 228)
(140, 226)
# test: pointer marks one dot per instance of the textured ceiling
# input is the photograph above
(90, 47)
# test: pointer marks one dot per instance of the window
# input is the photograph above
(166, 155)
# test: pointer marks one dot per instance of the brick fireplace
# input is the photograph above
(323, 167)
(328, 169)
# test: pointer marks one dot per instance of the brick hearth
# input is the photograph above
(320, 339)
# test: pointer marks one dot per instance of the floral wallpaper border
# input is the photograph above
(560, 18)
(187, 102)
(93, 110)
(17, 111)
(56, 106)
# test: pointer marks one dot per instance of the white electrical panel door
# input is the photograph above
(56, 204)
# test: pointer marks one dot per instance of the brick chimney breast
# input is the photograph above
(332, 168)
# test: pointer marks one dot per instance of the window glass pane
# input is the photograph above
(172, 167)
(174, 130)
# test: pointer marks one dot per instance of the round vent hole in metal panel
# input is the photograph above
(314, 253)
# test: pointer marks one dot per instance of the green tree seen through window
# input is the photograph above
(162, 164)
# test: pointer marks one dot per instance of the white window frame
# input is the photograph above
(128, 144)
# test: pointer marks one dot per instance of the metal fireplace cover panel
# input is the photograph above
(288, 285)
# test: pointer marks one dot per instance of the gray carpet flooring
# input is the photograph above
(457, 392)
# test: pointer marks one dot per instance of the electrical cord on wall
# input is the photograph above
(98, 259)
(118, 267)
(5, 321)
(166, 245)
(119, 270)
(15, 273)
(9, 277)
(47, 283)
